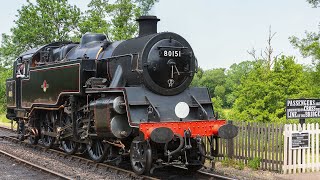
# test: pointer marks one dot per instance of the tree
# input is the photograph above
(40, 23)
(234, 74)
(314, 3)
(211, 79)
(124, 13)
(94, 19)
(4, 74)
(116, 20)
(261, 96)
(145, 5)
(8, 51)
(308, 46)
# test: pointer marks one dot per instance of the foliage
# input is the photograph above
(116, 20)
(94, 19)
(145, 5)
(214, 80)
(229, 162)
(217, 106)
(39, 23)
(234, 74)
(4, 120)
(314, 3)
(221, 82)
(8, 51)
(261, 96)
(4, 74)
(308, 46)
(254, 163)
(239, 165)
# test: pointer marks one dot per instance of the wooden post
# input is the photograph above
(230, 144)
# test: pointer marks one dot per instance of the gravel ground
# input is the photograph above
(6, 133)
(245, 174)
(64, 166)
(11, 170)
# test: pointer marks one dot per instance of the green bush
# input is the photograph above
(226, 162)
(239, 165)
(4, 74)
(254, 163)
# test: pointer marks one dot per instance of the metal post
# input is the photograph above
(302, 121)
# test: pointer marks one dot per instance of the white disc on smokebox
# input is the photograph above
(182, 110)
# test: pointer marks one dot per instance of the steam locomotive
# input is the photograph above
(118, 99)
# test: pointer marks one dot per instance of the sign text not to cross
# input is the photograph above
(302, 108)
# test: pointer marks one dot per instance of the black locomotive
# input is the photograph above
(116, 99)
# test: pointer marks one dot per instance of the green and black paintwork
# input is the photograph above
(98, 92)
(137, 66)
(47, 85)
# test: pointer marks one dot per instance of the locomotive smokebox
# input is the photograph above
(147, 25)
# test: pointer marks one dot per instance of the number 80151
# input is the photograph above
(171, 53)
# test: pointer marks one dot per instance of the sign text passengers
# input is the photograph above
(303, 108)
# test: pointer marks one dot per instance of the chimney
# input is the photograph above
(147, 25)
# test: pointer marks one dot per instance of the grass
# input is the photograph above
(4, 121)
(254, 163)
(228, 162)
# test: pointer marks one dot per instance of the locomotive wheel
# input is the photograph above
(69, 146)
(140, 156)
(33, 137)
(97, 150)
(47, 125)
(198, 158)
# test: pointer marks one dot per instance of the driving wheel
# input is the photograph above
(140, 156)
(69, 146)
(97, 150)
(48, 126)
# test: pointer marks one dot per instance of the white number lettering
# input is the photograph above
(172, 53)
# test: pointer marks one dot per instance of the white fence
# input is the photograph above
(301, 159)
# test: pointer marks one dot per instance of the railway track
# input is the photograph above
(102, 166)
(207, 175)
(35, 166)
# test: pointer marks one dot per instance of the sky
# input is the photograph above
(221, 32)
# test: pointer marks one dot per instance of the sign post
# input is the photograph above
(302, 109)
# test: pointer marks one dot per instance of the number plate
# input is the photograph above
(170, 53)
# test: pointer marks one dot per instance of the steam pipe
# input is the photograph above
(175, 151)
